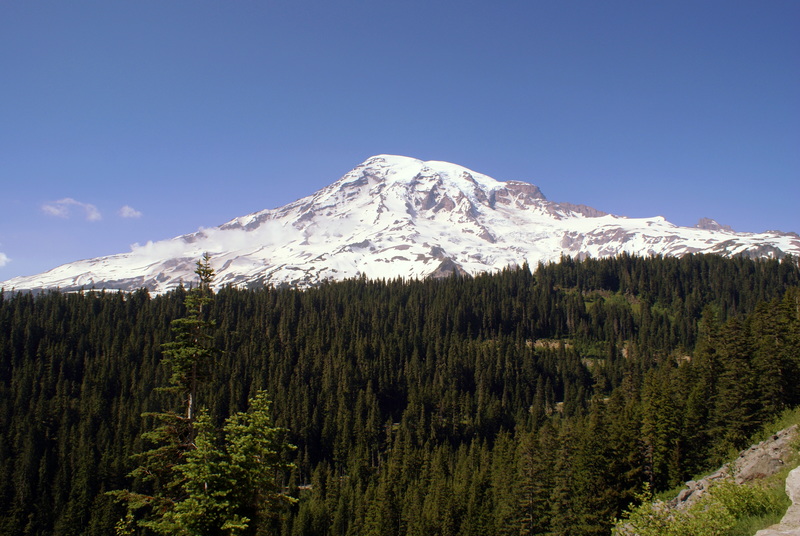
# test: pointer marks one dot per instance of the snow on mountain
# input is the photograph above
(394, 216)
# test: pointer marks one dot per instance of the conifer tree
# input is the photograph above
(736, 411)
(191, 348)
(174, 434)
(204, 481)
(231, 482)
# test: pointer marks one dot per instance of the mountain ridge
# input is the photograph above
(395, 216)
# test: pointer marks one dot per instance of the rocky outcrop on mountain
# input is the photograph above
(759, 461)
(690, 506)
(710, 225)
(790, 524)
(383, 219)
(767, 458)
(447, 269)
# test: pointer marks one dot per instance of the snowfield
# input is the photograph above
(394, 216)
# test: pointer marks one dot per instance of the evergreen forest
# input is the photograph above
(534, 401)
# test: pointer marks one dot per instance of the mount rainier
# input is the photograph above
(394, 216)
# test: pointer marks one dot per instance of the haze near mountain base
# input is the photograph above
(394, 216)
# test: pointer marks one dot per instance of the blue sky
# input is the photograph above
(128, 121)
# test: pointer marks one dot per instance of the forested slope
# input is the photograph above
(525, 402)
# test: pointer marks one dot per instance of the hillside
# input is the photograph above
(737, 499)
(536, 401)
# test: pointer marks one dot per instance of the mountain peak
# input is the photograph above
(390, 160)
(419, 175)
(395, 216)
(711, 225)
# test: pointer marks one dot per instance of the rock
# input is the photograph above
(765, 459)
(711, 225)
(684, 495)
(790, 524)
(696, 489)
(759, 461)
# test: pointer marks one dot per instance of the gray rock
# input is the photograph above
(759, 461)
(765, 459)
(790, 524)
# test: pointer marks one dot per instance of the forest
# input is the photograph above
(534, 401)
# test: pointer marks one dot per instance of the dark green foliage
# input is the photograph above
(196, 483)
(160, 477)
(188, 355)
(519, 402)
(229, 481)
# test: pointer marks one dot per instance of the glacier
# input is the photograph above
(399, 217)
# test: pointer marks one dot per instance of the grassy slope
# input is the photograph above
(728, 509)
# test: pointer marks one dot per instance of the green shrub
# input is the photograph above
(717, 513)
(742, 501)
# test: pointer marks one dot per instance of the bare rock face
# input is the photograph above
(766, 458)
(759, 461)
(447, 268)
(695, 489)
(588, 212)
(519, 194)
(710, 225)
(790, 524)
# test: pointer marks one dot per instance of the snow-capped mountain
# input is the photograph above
(394, 216)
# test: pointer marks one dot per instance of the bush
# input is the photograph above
(715, 514)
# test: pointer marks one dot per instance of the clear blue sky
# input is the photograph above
(191, 113)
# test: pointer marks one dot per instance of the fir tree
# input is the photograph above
(231, 483)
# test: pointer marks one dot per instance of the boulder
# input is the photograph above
(790, 524)
(765, 459)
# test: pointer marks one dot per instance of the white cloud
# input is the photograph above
(56, 210)
(4, 259)
(215, 241)
(61, 208)
(129, 212)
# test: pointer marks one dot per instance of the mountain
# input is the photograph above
(395, 216)
(712, 225)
